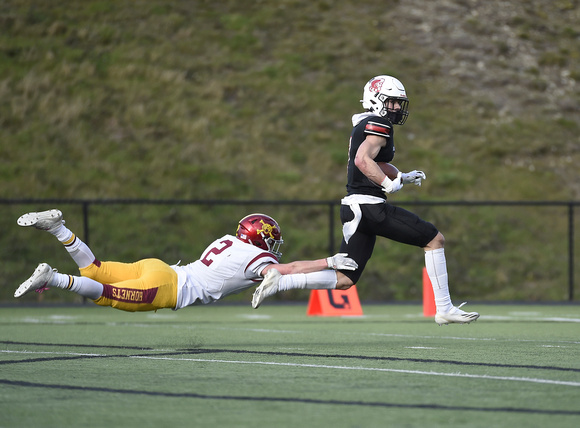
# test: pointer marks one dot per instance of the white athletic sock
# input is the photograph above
(61, 232)
(81, 285)
(437, 270)
(325, 279)
(77, 249)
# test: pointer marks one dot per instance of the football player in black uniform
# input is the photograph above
(365, 213)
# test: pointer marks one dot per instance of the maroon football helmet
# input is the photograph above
(261, 231)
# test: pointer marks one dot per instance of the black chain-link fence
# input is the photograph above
(496, 250)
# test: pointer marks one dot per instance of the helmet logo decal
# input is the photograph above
(266, 229)
(376, 85)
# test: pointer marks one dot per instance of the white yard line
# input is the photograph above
(372, 369)
(74, 354)
(318, 366)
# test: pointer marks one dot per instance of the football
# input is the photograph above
(389, 170)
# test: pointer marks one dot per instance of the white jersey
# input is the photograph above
(227, 266)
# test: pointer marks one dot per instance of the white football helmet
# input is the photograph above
(379, 91)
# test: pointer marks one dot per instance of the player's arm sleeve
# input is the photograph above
(258, 263)
(377, 128)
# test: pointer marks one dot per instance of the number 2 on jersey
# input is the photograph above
(208, 260)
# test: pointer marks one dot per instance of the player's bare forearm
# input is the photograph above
(370, 168)
(364, 159)
(303, 266)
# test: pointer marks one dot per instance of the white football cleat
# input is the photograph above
(268, 287)
(37, 281)
(456, 315)
(43, 220)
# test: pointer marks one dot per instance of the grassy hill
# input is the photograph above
(252, 100)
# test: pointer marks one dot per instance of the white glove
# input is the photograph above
(413, 177)
(340, 261)
(392, 186)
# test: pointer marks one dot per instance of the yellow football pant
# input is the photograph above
(146, 285)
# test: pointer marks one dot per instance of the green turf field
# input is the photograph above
(231, 366)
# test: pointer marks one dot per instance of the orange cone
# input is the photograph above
(334, 303)
(429, 308)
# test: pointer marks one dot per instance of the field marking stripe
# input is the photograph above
(246, 398)
(412, 336)
(81, 354)
(324, 366)
(375, 369)
(168, 352)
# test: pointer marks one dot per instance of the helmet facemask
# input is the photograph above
(396, 116)
(274, 246)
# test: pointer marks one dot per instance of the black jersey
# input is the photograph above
(357, 182)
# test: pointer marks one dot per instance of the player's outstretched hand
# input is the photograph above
(413, 177)
(340, 261)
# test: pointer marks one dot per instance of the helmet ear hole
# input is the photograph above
(260, 244)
